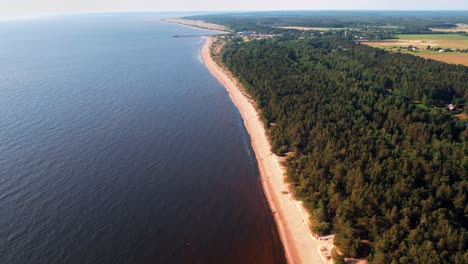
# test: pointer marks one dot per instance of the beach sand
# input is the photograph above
(198, 24)
(290, 215)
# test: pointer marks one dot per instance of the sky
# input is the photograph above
(14, 8)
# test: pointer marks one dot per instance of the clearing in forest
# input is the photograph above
(443, 47)
(460, 28)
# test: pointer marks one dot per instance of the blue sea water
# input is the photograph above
(118, 146)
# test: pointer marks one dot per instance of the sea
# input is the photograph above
(117, 145)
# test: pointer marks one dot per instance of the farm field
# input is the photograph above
(422, 41)
(453, 58)
(459, 28)
(432, 37)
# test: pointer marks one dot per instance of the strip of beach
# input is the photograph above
(197, 24)
(291, 217)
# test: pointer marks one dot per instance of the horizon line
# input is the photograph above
(45, 14)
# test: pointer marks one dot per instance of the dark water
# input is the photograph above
(118, 146)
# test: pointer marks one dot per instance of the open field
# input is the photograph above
(459, 28)
(443, 41)
(421, 41)
(432, 37)
(453, 58)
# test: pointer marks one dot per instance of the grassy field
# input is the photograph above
(421, 106)
(444, 41)
(453, 58)
(421, 41)
(459, 28)
(432, 37)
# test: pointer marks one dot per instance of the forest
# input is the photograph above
(397, 22)
(387, 177)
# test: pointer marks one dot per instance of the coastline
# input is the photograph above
(290, 216)
(198, 24)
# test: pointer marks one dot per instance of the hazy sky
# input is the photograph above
(9, 8)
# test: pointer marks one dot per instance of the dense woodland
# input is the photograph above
(388, 177)
(400, 21)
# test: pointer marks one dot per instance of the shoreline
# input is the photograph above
(290, 216)
(197, 24)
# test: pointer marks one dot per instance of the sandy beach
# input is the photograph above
(198, 24)
(291, 218)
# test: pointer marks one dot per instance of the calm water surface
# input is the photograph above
(118, 146)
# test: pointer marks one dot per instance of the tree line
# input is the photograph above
(387, 177)
(409, 22)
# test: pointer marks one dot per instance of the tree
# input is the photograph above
(348, 241)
